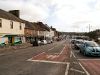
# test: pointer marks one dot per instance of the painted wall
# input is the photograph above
(6, 29)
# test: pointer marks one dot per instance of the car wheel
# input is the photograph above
(80, 51)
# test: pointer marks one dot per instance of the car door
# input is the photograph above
(82, 47)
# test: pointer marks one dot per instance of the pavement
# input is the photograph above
(58, 58)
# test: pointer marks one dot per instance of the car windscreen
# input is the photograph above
(92, 44)
(79, 42)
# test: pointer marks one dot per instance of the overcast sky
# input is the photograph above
(65, 15)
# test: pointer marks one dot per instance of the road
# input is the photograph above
(58, 58)
(17, 62)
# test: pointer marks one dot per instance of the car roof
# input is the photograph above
(89, 41)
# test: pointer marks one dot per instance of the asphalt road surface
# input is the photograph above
(58, 58)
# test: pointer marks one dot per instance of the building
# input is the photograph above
(42, 30)
(29, 31)
(11, 28)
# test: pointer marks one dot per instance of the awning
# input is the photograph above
(9, 35)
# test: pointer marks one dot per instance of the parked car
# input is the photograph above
(2, 44)
(49, 41)
(43, 42)
(73, 41)
(90, 48)
(17, 42)
(77, 44)
(39, 42)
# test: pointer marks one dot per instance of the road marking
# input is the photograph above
(71, 54)
(53, 48)
(44, 61)
(39, 54)
(77, 70)
(67, 69)
(84, 69)
(61, 51)
(75, 62)
(89, 59)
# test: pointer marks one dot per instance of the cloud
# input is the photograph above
(65, 15)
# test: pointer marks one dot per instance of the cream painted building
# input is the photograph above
(11, 27)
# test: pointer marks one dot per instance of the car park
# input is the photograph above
(90, 48)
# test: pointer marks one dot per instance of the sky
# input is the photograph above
(64, 15)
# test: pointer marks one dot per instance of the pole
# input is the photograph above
(89, 27)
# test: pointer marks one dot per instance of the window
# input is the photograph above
(0, 23)
(20, 27)
(11, 24)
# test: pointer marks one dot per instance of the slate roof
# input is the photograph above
(41, 27)
(29, 25)
(9, 16)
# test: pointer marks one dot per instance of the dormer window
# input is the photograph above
(0, 23)
(11, 24)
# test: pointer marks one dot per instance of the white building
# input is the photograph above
(11, 28)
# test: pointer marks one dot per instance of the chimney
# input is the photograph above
(15, 12)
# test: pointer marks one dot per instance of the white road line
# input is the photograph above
(71, 54)
(39, 54)
(89, 59)
(62, 51)
(67, 69)
(44, 61)
(53, 48)
(77, 70)
(84, 69)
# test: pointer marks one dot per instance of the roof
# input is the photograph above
(9, 16)
(29, 25)
(41, 27)
(54, 29)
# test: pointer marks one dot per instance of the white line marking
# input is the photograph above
(77, 70)
(39, 54)
(62, 51)
(44, 61)
(67, 69)
(84, 69)
(53, 48)
(89, 59)
(71, 54)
